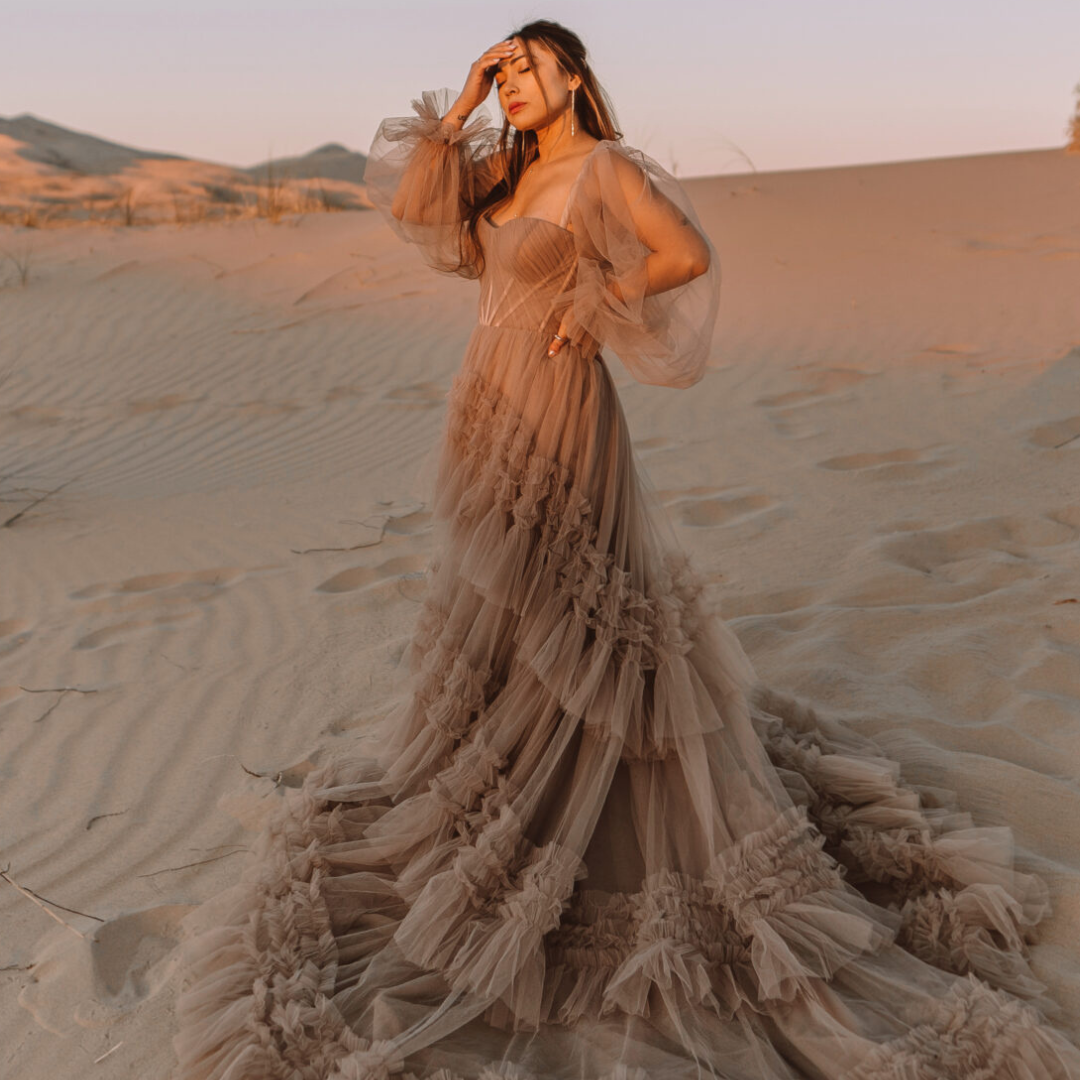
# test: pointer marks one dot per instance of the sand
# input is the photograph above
(879, 473)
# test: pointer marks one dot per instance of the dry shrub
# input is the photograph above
(329, 201)
(123, 206)
(21, 260)
(270, 198)
(188, 211)
(229, 194)
(1073, 130)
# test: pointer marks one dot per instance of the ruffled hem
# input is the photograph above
(771, 915)
(973, 1033)
(962, 905)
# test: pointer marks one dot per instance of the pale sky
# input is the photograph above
(789, 83)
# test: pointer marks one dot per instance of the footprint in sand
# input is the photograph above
(91, 983)
(409, 524)
(653, 446)
(13, 634)
(178, 592)
(902, 464)
(708, 507)
(956, 563)
(1056, 435)
(914, 565)
(1049, 699)
(392, 522)
(791, 411)
(776, 602)
(931, 550)
(391, 572)
(184, 581)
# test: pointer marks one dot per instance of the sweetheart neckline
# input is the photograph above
(569, 198)
(527, 217)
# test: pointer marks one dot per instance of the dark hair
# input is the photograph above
(516, 149)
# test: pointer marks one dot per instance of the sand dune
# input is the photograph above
(53, 176)
(237, 422)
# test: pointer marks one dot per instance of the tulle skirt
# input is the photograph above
(585, 844)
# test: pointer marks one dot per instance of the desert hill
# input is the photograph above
(52, 175)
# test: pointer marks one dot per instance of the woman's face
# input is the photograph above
(518, 83)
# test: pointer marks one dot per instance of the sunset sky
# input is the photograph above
(787, 83)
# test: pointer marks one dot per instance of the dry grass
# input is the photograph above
(21, 260)
(189, 211)
(27, 217)
(328, 201)
(125, 205)
(270, 201)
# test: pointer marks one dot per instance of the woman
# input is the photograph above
(586, 844)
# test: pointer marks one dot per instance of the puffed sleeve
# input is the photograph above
(665, 338)
(422, 175)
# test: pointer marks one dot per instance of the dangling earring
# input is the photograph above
(573, 130)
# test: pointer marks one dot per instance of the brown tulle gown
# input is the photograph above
(586, 844)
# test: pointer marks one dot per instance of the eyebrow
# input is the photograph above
(510, 60)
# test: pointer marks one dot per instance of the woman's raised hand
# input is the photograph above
(482, 75)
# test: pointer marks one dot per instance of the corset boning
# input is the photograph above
(527, 266)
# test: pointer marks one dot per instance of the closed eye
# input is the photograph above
(500, 85)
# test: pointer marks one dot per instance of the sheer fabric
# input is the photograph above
(663, 338)
(585, 844)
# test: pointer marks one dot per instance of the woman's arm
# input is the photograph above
(422, 171)
(679, 252)
(647, 278)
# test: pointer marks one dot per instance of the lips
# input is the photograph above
(517, 105)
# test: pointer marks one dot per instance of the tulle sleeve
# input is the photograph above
(422, 175)
(665, 338)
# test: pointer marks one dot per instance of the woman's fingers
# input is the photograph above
(557, 342)
(497, 52)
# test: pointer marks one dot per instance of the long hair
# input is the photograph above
(516, 149)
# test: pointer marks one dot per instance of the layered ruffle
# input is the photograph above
(771, 915)
(611, 644)
(961, 903)
(973, 1033)
(259, 966)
